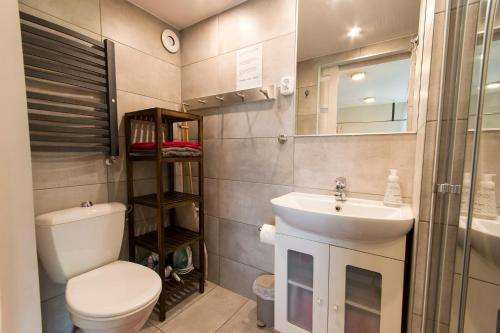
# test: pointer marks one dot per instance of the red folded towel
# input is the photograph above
(171, 144)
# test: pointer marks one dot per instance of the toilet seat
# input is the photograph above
(114, 290)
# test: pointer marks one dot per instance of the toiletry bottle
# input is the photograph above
(485, 205)
(464, 200)
(393, 190)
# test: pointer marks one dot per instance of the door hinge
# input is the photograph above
(448, 188)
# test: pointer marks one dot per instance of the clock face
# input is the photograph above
(170, 41)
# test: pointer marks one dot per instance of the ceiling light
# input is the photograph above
(354, 32)
(358, 76)
(493, 85)
(369, 99)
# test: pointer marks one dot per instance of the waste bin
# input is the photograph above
(263, 287)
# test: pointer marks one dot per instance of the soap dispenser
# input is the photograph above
(392, 196)
(485, 203)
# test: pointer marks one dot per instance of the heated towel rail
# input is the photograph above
(71, 89)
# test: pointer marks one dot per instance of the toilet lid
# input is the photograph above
(112, 290)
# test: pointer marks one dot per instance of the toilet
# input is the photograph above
(80, 247)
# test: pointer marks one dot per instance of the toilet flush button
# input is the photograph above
(86, 204)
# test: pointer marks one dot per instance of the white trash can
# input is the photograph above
(263, 287)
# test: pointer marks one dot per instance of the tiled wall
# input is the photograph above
(147, 76)
(246, 165)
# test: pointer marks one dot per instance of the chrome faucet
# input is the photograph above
(340, 195)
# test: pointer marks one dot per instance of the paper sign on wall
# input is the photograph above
(249, 67)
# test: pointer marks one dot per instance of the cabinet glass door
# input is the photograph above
(363, 294)
(366, 292)
(301, 285)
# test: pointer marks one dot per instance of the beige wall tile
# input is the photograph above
(436, 56)
(255, 21)
(67, 169)
(427, 170)
(130, 25)
(248, 202)
(200, 41)
(84, 14)
(365, 160)
(421, 255)
(238, 277)
(307, 100)
(48, 289)
(49, 200)
(259, 119)
(139, 73)
(240, 242)
(307, 73)
(200, 79)
(260, 160)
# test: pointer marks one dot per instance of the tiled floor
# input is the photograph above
(217, 310)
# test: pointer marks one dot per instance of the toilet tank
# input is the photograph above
(76, 240)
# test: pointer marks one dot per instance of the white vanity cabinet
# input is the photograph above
(324, 288)
(301, 285)
(366, 292)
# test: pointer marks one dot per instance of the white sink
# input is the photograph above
(484, 236)
(359, 219)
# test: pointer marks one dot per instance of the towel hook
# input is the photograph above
(202, 101)
(241, 96)
(219, 98)
(265, 93)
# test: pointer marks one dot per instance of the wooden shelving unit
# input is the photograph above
(166, 239)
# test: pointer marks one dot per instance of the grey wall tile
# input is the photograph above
(260, 119)
(260, 160)
(200, 79)
(255, 21)
(132, 26)
(211, 196)
(212, 234)
(84, 14)
(55, 317)
(49, 200)
(212, 156)
(213, 267)
(67, 169)
(140, 73)
(238, 277)
(200, 41)
(240, 242)
(248, 202)
(365, 160)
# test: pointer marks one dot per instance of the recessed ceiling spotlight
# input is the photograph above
(358, 76)
(354, 32)
(369, 99)
(493, 85)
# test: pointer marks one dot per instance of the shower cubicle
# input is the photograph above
(462, 278)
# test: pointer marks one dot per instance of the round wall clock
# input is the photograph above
(170, 41)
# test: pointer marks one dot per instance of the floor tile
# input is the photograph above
(209, 287)
(207, 314)
(149, 328)
(244, 321)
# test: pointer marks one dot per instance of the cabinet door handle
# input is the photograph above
(319, 301)
(335, 307)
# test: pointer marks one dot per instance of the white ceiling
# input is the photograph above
(324, 24)
(387, 82)
(183, 13)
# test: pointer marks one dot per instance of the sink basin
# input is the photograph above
(359, 219)
(484, 236)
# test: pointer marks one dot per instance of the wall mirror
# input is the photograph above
(357, 66)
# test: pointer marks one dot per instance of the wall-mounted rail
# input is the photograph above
(231, 98)
(71, 89)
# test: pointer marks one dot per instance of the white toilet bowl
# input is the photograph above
(115, 298)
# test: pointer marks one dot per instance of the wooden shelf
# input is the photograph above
(148, 157)
(170, 115)
(169, 200)
(175, 238)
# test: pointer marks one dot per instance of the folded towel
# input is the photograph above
(169, 152)
(171, 144)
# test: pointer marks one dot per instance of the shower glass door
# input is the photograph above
(463, 290)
